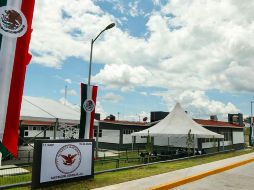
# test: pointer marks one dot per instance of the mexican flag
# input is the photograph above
(88, 103)
(15, 33)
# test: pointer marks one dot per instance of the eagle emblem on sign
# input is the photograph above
(69, 159)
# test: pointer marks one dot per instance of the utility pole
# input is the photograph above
(118, 114)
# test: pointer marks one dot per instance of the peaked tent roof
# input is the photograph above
(47, 110)
(178, 124)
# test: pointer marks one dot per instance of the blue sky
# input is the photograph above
(160, 52)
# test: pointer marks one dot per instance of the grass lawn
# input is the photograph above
(105, 179)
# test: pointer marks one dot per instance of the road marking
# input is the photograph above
(173, 184)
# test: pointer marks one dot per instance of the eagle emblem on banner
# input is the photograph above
(12, 22)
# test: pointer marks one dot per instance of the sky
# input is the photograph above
(196, 52)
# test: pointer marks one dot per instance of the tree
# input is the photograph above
(189, 142)
(214, 143)
(149, 145)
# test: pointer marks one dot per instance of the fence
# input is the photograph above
(15, 175)
(20, 175)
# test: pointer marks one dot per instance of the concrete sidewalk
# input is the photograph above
(149, 182)
(12, 170)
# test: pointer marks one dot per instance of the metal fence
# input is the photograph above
(20, 174)
(14, 175)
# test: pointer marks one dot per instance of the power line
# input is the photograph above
(39, 108)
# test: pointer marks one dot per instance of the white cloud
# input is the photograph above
(122, 76)
(144, 93)
(111, 97)
(156, 2)
(118, 6)
(133, 8)
(66, 102)
(99, 109)
(206, 45)
(198, 104)
(69, 92)
(64, 29)
(67, 81)
(138, 117)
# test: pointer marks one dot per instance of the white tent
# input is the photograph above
(43, 109)
(178, 124)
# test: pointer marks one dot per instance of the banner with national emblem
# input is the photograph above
(15, 33)
(88, 103)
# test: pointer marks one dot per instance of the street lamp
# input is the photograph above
(91, 52)
(89, 76)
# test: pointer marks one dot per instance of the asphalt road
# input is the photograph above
(240, 178)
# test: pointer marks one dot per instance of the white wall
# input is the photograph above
(33, 133)
(140, 140)
(226, 143)
(238, 137)
(209, 144)
(110, 136)
(173, 141)
(50, 134)
(127, 139)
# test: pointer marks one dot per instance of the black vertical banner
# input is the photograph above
(83, 112)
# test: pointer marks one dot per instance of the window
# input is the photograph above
(34, 128)
(26, 128)
(227, 135)
(127, 131)
(26, 134)
(95, 133)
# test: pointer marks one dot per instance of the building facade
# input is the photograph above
(116, 135)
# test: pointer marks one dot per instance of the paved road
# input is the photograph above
(148, 182)
(240, 178)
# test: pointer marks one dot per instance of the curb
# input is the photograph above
(196, 177)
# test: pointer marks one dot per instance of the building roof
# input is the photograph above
(118, 122)
(213, 123)
(32, 122)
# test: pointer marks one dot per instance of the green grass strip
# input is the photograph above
(110, 178)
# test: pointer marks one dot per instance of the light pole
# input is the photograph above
(89, 78)
(251, 124)
(91, 52)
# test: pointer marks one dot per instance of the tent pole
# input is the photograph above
(223, 145)
(168, 144)
(193, 144)
(55, 128)
(97, 140)
(132, 139)
(0, 159)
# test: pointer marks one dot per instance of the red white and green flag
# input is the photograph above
(15, 33)
(88, 103)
